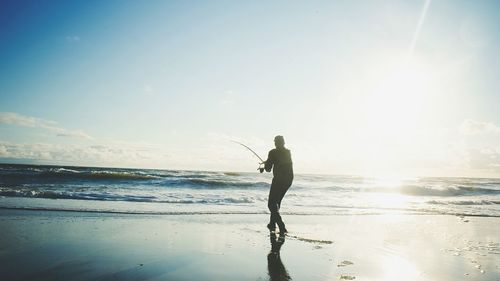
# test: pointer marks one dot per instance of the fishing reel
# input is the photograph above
(261, 167)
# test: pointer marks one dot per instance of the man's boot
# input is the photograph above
(272, 223)
(281, 224)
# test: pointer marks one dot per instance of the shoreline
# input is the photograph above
(58, 245)
(402, 212)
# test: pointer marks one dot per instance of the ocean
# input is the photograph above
(147, 191)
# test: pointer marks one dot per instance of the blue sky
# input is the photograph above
(356, 87)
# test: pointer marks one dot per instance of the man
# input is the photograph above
(280, 161)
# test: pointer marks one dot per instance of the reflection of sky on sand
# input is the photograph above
(236, 247)
(400, 247)
(395, 268)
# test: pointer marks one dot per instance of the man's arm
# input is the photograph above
(268, 164)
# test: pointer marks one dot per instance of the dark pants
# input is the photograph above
(279, 187)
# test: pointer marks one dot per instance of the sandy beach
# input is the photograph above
(55, 245)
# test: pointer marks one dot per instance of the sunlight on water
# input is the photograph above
(389, 181)
(390, 201)
(170, 191)
(385, 199)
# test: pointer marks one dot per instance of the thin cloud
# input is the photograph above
(74, 134)
(21, 120)
(13, 118)
(73, 38)
(148, 89)
(420, 23)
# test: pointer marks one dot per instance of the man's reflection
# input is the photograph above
(277, 271)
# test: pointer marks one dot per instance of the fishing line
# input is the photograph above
(261, 169)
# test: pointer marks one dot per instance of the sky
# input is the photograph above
(376, 88)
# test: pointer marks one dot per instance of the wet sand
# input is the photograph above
(55, 245)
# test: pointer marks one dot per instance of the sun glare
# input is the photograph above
(395, 102)
(388, 118)
(396, 110)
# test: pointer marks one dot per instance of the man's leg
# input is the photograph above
(282, 188)
(272, 204)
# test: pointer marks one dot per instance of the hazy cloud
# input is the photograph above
(477, 152)
(210, 152)
(228, 98)
(13, 118)
(95, 155)
(486, 160)
(472, 127)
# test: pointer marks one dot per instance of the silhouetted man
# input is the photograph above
(280, 161)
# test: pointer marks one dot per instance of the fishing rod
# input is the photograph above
(261, 169)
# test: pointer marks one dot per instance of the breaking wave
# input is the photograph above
(451, 190)
(123, 197)
(204, 191)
